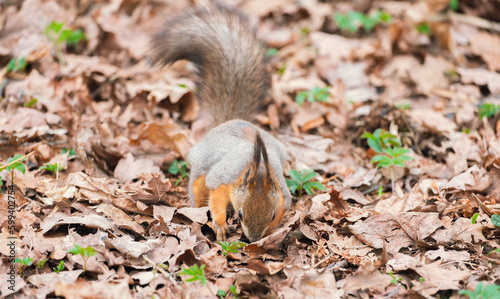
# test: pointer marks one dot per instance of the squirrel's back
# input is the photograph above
(231, 61)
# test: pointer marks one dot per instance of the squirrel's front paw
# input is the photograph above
(221, 232)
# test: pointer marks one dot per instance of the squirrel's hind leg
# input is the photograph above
(219, 200)
(200, 192)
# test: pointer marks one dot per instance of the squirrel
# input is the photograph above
(236, 162)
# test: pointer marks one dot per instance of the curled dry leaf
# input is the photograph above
(396, 230)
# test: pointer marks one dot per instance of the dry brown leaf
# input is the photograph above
(487, 46)
(310, 283)
(395, 205)
(367, 277)
(91, 221)
(198, 215)
(396, 231)
(480, 77)
(120, 219)
(129, 168)
(93, 289)
(432, 120)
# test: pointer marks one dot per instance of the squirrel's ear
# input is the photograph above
(263, 150)
(251, 173)
(269, 170)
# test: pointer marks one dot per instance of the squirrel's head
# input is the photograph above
(260, 201)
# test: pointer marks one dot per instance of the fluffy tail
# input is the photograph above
(222, 43)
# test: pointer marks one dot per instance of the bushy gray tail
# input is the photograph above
(222, 43)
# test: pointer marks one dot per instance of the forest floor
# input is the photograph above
(98, 207)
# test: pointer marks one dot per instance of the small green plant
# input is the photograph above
(233, 247)
(232, 289)
(451, 74)
(316, 94)
(54, 168)
(488, 109)
(380, 191)
(488, 292)
(59, 267)
(27, 261)
(495, 219)
(304, 31)
(24, 263)
(16, 64)
(421, 279)
(85, 253)
(301, 181)
(55, 33)
(388, 146)
(179, 167)
(380, 140)
(71, 151)
(196, 273)
(272, 52)
(41, 262)
(31, 103)
(403, 106)
(395, 280)
(282, 69)
(354, 20)
(473, 219)
(494, 250)
(424, 28)
(453, 5)
(14, 163)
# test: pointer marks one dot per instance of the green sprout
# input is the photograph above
(494, 250)
(179, 167)
(316, 94)
(453, 5)
(490, 291)
(223, 294)
(71, 151)
(41, 262)
(282, 69)
(424, 28)
(474, 218)
(395, 280)
(233, 247)
(301, 181)
(16, 64)
(14, 163)
(27, 261)
(272, 52)
(354, 20)
(380, 140)
(55, 33)
(196, 273)
(488, 110)
(380, 191)
(388, 147)
(31, 103)
(59, 267)
(495, 219)
(24, 263)
(54, 168)
(85, 253)
(403, 106)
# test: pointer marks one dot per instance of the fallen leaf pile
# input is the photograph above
(115, 124)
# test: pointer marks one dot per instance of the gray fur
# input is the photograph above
(224, 153)
(221, 42)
